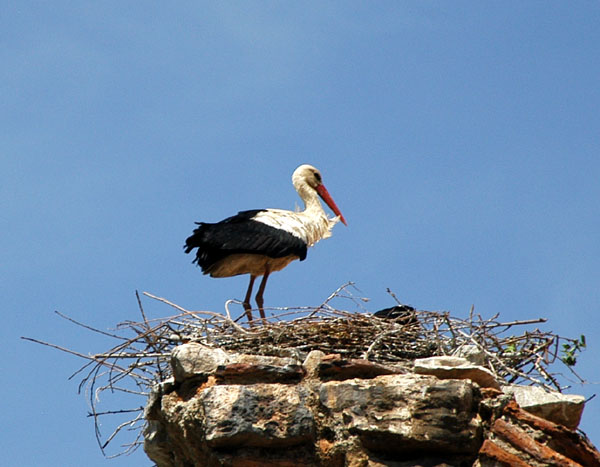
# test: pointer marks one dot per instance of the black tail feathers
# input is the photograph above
(196, 239)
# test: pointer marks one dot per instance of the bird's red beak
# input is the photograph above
(325, 196)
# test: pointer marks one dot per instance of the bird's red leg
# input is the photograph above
(246, 303)
(259, 295)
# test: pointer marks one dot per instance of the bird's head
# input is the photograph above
(307, 176)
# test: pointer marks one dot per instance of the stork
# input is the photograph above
(261, 241)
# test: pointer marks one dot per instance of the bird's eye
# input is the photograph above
(318, 177)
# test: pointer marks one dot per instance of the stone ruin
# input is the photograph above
(229, 409)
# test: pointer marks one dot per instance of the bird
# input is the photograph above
(259, 242)
(402, 314)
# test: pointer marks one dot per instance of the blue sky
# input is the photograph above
(460, 140)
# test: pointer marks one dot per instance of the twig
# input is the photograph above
(115, 412)
(58, 347)
(63, 316)
(183, 310)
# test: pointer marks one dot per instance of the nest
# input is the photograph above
(515, 353)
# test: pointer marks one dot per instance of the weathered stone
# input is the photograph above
(244, 373)
(521, 440)
(338, 368)
(564, 409)
(194, 359)
(274, 415)
(263, 360)
(153, 403)
(157, 444)
(492, 455)
(492, 403)
(285, 415)
(406, 413)
(312, 361)
(456, 368)
(471, 353)
(560, 438)
(294, 456)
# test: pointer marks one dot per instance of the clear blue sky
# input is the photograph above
(461, 140)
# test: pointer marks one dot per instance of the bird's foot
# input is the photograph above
(248, 313)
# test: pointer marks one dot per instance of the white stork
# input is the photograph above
(261, 241)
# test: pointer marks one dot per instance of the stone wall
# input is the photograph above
(224, 409)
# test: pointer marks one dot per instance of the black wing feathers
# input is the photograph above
(240, 234)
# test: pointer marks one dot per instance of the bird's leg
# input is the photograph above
(259, 295)
(246, 303)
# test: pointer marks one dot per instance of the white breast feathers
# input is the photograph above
(310, 226)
